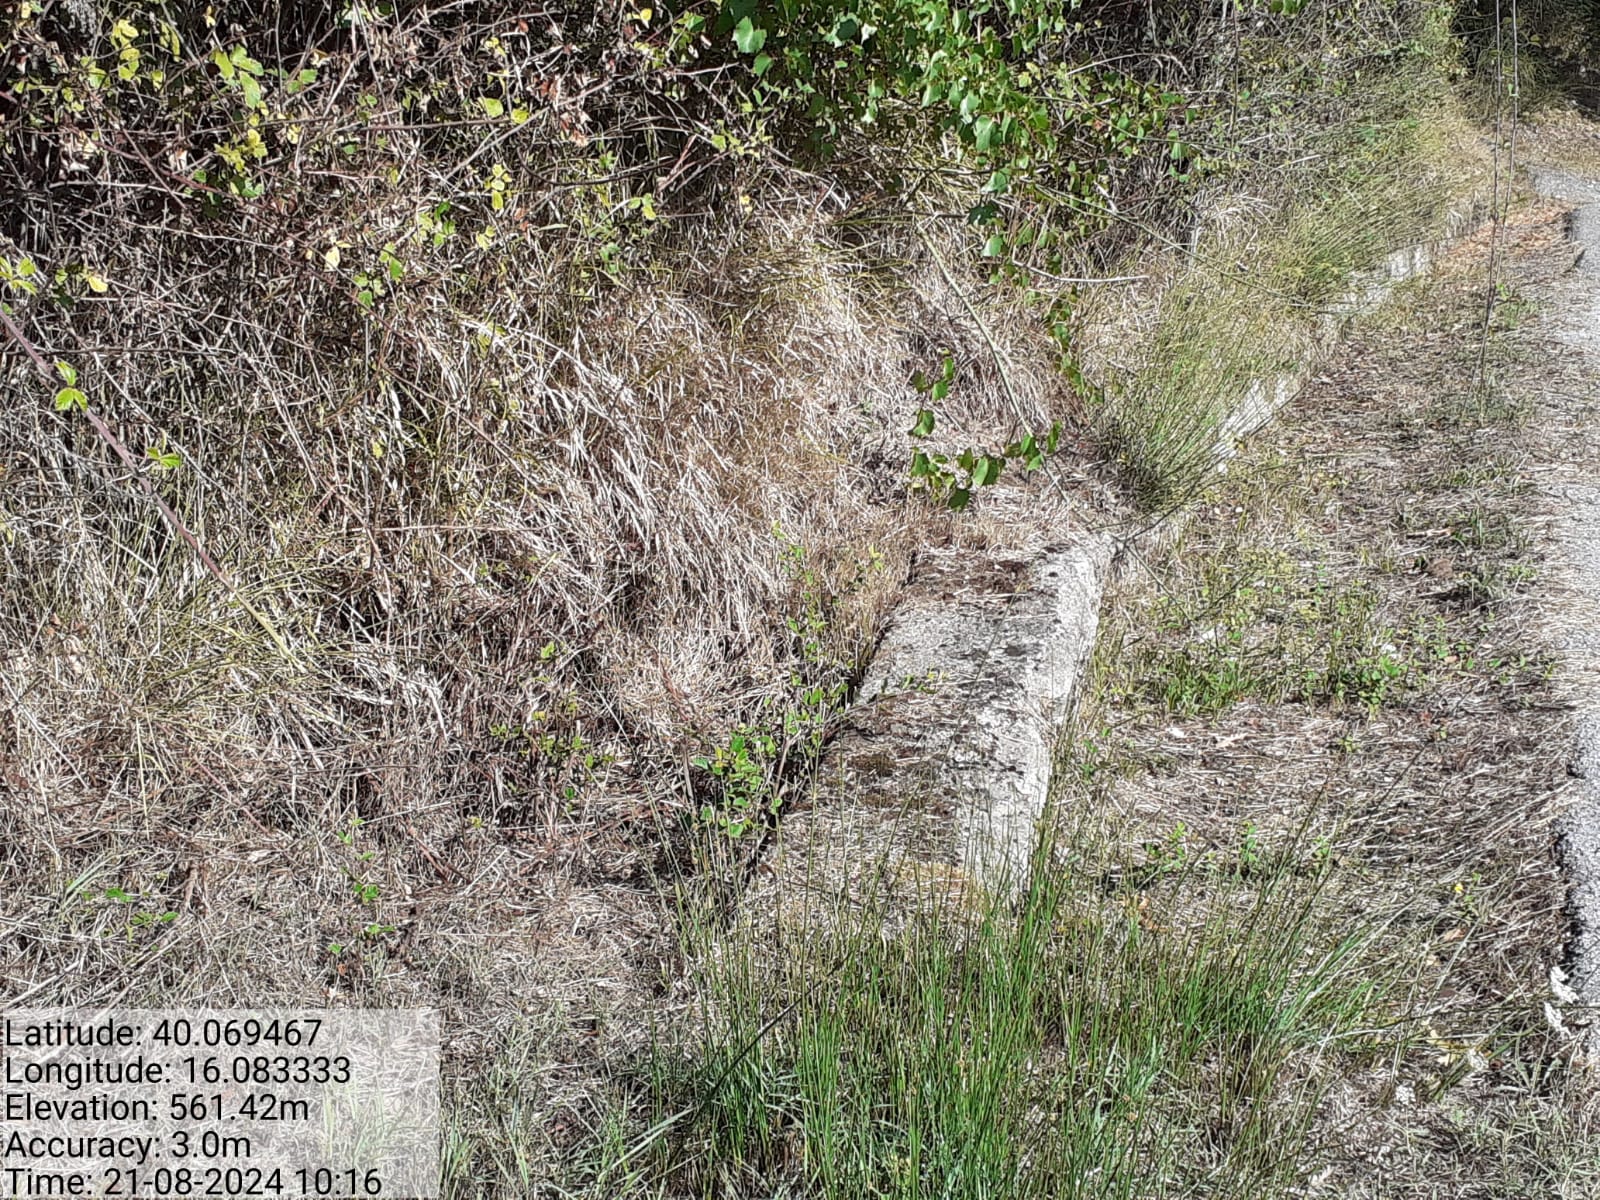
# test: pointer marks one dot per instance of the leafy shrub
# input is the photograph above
(1021, 90)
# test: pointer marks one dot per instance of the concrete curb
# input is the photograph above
(942, 772)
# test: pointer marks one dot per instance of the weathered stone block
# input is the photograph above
(942, 772)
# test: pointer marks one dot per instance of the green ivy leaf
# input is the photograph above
(747, 37)
(492, 106)
(244, 62)
(1032, 457)
(924, 425)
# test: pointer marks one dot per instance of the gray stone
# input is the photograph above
(942, 772)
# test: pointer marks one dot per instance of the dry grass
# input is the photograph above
(525, 545)
(510, 536)
(1402, 486)
(506, 635)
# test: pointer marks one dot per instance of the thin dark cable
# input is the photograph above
(1500, 206)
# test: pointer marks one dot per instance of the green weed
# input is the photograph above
(1251, 623)
(784, 740)
(1083, 1043)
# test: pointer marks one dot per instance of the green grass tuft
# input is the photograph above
(1095, 1039)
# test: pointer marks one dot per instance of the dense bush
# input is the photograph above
(426, 317)
(378, 247)
(1018, 82)
(1550, 47)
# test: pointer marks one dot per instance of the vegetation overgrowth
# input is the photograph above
(461, 456)
(1088, 1041)
(1549, 46)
